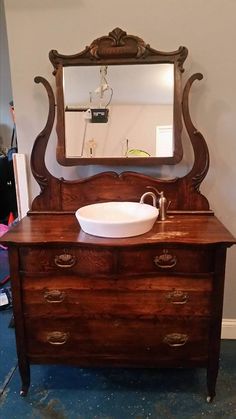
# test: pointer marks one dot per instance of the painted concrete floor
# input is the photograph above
(59, 392)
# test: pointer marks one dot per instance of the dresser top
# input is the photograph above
(64, 229)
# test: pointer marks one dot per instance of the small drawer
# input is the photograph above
(147, 342)
(143, 298)
(166, 259)
(78, 260)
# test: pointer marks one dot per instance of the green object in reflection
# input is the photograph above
(134, 152)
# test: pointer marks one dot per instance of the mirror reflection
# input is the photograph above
(119, 111)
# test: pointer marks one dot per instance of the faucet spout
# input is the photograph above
(154, 198)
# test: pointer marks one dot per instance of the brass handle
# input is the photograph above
(57, 338)
(54, 296)
(175, 339)
(65, 260)
(177, 297)
(165, 260)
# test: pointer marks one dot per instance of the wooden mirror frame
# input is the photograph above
(118, 48)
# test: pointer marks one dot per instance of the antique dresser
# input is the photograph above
(153, 300)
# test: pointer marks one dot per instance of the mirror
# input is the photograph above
(119, 102)
(139, 102)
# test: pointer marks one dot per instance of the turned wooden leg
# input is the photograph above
(24, 370)
(212, 372)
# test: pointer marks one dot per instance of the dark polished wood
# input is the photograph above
(119, 48)
(153, 300)
(63, 229)
(117, 45)
(115, 302)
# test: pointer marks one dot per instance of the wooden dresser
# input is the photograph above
(149, 301)
(153, 300)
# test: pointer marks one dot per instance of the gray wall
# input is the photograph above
(207, 28)
(6, 123)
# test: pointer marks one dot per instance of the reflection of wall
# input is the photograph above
(135, 123)
(207, 28)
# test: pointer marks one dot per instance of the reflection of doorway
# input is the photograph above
(164, 141)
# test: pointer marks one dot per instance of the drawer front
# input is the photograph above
(143, 298)
(166, 259)
(148, 341)
(83, 261)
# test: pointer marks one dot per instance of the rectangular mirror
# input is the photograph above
(119, 103)
(139, 101)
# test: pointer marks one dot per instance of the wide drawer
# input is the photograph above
(182, 340)
(166, 259)
(83, 261)
(124, 298)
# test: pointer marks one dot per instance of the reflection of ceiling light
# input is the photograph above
(102, 88)
(103, 82)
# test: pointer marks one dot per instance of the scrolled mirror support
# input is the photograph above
(58, 195)
(200, 149)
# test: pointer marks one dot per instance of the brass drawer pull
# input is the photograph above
(54, 296)
(175, 339)
(177, 297)
(165, 260)
(65, 260)
(57, 338)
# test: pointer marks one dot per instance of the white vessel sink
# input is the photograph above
(117, 219)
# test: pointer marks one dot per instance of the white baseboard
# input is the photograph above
(228, 329)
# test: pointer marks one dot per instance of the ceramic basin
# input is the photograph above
(117, 219)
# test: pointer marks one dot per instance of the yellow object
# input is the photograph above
(137, 153)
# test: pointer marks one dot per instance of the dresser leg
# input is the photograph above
(24, 370)
(24, 391)
(211, 383)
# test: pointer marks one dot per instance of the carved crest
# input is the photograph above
(118, 43)
(121, 48)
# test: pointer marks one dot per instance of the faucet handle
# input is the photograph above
(163, 203)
